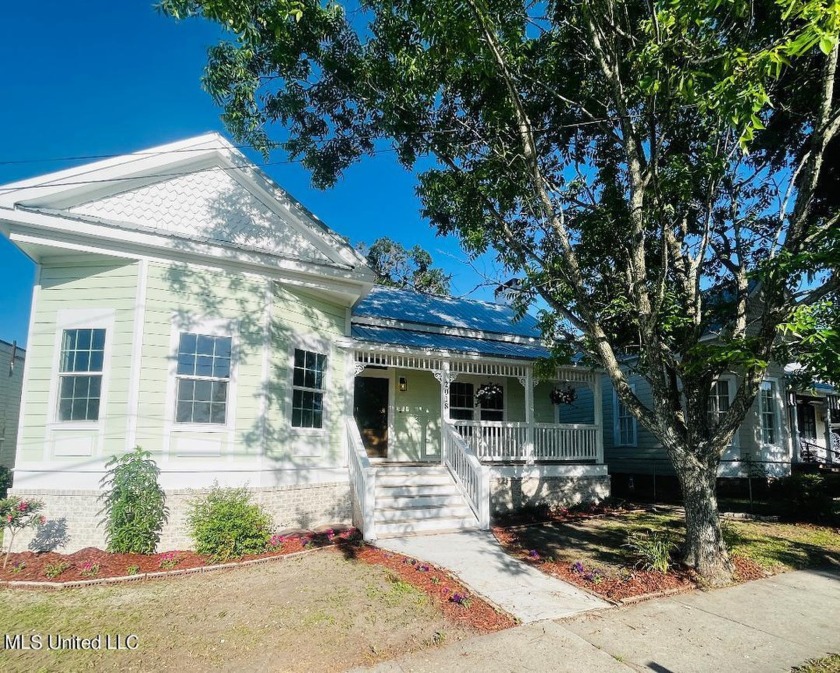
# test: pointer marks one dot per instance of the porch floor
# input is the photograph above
(477, 559)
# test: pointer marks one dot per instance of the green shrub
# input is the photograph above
(53, 570)
(5, 481)
(135, 504)
(652, 550)
(225, 524)
(807, 495)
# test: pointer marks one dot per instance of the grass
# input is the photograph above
(599, 542)
(321, 612)
(829, 664)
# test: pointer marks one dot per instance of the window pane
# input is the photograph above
(219, 393)
(204, 365)
(64, 409)
(217, 413)
(187, 343)
(98, 340)
(300, 357)
(186, 363)
(205, 345)
(184, 413)
(82, 362)
(201, 412)
(96, 358)
(221, 368)
(186, 390)
(223, 347)
(83, 339)
(203, 390)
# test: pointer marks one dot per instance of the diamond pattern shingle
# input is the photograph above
(205, 205)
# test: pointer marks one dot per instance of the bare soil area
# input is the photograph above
(318, 612)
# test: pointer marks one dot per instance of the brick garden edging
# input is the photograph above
(78, 584)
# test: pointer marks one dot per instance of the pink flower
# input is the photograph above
(42, 520)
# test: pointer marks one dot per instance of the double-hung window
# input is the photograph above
(461, 401)
(80, 374)
(768, 411)
(624, 425)
(308, 387)
(203, 378)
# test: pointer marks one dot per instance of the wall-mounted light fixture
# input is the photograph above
(403, 384)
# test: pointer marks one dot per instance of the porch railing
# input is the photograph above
(503, 441)
(363, 480)
(472, 477)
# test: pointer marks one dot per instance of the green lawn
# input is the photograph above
(830, 664)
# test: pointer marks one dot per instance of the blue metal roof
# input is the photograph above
(423, 309)
(407, 338)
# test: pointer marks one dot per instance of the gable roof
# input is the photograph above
(199, 195)
(404, 318)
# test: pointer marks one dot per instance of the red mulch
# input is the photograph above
(560, 514)
(447, 592)
(747, 570)
(32, 566)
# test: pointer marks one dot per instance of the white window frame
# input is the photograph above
(70, 319)
(180, 378)
(473, 408)
(617, 426)
(477, 382)
(208, 327)
(313, 344)
(502, 383)
(776, 409)
(729, 379)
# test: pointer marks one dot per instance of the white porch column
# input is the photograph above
(529, 415)
(598, 417)
(444, 378)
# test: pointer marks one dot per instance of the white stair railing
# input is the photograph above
(472, 477)
(363, 480)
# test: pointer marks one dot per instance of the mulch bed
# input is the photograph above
(538, 515)
(450, 595)
(33, 566)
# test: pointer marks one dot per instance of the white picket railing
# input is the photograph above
(501, 441)
(363, 479)
(472, 477)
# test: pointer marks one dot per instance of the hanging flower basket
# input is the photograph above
(488, 391)
(565, 395)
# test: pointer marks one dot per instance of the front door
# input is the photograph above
(371, 412)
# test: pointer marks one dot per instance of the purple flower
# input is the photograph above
(577, 567)
(534, 554)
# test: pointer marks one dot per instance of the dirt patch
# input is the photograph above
(323, 611)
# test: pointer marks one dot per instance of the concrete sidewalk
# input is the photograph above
(477, 558)
(766, 626)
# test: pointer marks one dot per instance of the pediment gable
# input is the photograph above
(208, 205)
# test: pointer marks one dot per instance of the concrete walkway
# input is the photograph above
(766, 626)
(476, 558)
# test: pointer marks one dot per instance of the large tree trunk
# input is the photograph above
(704, 548)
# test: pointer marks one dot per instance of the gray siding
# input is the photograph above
(11, 382)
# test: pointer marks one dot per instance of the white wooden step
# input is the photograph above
(396, 528)
(388, 501)
(426, 479)
(422, 513)
(414, 490)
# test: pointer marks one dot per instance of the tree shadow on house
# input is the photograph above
(51, 536)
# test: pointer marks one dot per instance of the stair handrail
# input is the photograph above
(472, 478)
(362, 479)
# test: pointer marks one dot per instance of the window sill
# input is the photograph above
(200, 427)
(79, 426)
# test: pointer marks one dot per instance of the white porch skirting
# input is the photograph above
(513, 487)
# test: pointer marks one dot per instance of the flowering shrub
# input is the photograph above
(53, 570)
(169, 560)
(17, 514)
(276, 542)
(89, 569)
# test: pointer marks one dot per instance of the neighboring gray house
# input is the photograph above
(11, 382)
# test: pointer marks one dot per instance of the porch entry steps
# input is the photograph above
(419, 500)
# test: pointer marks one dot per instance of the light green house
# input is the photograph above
(186, 304)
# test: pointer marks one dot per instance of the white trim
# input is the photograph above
(732, 388)
(777, 415)
(265, 367)
(310, 441)
(388, 374)
(616, 428)
(81, 318)
(210, 327)
(137, 354)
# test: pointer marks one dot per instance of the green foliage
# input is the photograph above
(652, 550)
(5, 481)
(395, 266)
(17, 514)
(53, 570)
(134, 503)
(808, 495)
(225, 524)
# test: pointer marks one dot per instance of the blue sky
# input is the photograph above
(103, 77)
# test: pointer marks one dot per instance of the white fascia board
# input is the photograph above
(51, 188)
(433, 353)
(146, 247)
(449, 331)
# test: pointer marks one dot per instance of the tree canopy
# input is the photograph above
(656, 172)
(411, 269)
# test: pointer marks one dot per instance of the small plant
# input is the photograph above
(488, 392)
(460, 599)
(652, 550)
(16, 515)
(134, 503)
(435, 580)
(53, 570)
(565, 395)
(89, 569)
(225, 524)
(578, 568)
(534, 555)
(275, 543)
(169, 560)
(133, 570)
(593, 576)
(17, 567)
